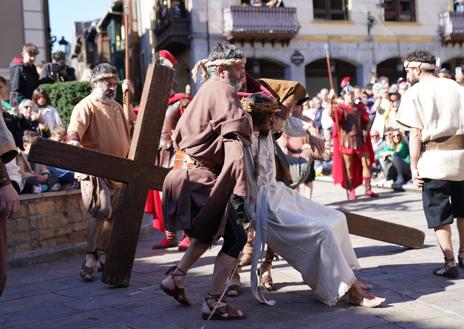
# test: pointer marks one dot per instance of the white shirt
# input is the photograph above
(436, 107)
(50, 116)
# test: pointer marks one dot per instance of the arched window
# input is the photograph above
(400, 10)
(330, 9)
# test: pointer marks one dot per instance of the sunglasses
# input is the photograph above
(396, 135)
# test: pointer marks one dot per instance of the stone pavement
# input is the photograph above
(51, 295)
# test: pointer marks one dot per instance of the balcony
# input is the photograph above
(260, 24)
(173, 28)
(451, 27)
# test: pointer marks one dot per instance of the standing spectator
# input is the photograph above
(23, 74)
(57, 70)
(49, 115)
(9, 200)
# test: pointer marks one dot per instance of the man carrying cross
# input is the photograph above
(213, 133)
(99, 123)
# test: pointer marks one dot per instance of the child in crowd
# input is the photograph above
(49, 114)
(59, 134)
(37, 177)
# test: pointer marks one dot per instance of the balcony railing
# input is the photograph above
(451, 27)
(260, 24)
(173, 28)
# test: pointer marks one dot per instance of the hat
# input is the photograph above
(289, 93)
(102, 71)
(166, 54)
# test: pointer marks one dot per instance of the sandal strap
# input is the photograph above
(171, 270)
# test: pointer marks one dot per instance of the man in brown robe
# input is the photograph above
(213, 132)
(9, 200)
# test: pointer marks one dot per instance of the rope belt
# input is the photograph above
(447, 143)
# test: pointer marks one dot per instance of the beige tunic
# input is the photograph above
(102, 127)
(436, 106)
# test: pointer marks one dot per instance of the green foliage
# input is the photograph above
(65, 95)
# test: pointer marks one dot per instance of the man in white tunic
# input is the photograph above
(433, 109)
(310, 237)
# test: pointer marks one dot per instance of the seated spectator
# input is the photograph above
(15, 122)
(49, 114)
(396, 160)
(378, 143)
(31, 116)
(64, 176)
(57, 70)
(37, 178)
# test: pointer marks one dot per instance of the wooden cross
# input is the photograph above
(138, 171)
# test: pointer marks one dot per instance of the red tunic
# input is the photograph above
(342, 112)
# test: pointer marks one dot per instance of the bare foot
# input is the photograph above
(358, 296)
(365, 285)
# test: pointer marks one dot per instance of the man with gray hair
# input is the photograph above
(99, 123)
(212, 132)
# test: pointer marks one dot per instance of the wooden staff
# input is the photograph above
(337, 126)
(127, 32)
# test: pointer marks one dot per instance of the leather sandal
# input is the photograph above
(177, 293)
(461, 259)
(87, 273)
(221, 311)
(447, 271)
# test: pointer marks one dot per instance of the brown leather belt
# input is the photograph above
(183, 161)
(448, 143)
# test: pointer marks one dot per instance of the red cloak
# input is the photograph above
(337, 164)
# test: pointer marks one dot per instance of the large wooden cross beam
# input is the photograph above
(138, 171)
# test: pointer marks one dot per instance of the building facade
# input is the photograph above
(23, 21)
(363, 37)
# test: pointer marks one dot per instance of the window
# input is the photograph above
(330, 9)
(400, 10)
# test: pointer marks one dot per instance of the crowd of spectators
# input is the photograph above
(28, 114)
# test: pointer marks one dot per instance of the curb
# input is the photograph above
(386, 185)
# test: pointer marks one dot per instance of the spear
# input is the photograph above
(127, 30)
(337, 126)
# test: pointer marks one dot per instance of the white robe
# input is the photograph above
(311, 237)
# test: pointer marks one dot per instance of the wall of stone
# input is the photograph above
(53, 221)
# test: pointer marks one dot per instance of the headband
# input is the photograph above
(421, 65)
(204, 64)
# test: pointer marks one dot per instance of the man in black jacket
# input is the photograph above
(57, 70)
(23, 73)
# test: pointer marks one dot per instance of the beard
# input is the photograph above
(237, 83)
(103, 95)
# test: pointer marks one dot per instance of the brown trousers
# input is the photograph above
(3, 253)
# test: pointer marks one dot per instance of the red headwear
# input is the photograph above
(168, 56)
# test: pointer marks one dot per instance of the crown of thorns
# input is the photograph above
(270, 106)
